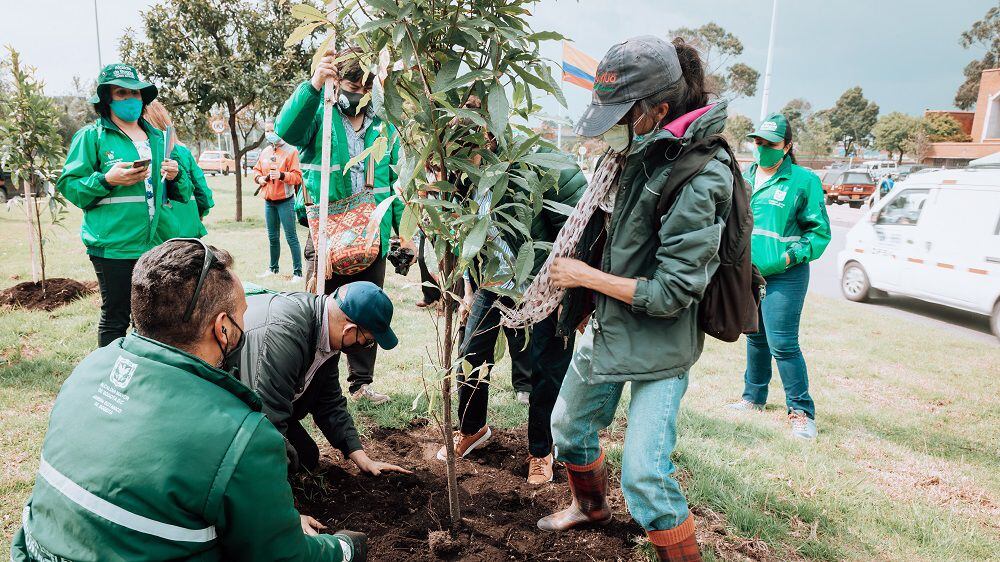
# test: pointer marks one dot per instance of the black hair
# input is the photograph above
(350, 68)
(685, 95)
(788, 142)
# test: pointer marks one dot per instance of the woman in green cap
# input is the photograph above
(791, 228)
(116, 172)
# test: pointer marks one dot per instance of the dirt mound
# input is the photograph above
(58, 292)
(406, 516)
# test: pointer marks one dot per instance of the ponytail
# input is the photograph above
(788, 143)
(687, 94)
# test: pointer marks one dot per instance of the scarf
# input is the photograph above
(542, 297)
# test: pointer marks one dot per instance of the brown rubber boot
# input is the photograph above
(589, 485)
(677, 544)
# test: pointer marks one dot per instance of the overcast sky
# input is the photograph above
(904, 53)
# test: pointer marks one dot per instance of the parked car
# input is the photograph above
(878, 168)
(851, 186)
(251, 158)
(935, 237)
(217, 162)
(829, 177)
(905, 170)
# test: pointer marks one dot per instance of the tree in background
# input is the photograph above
(852, 119)
(941, 127)
(984, 33)
(796, 111)
(737, 128)
(817, 137)
(443, 52)
(230, 54)
(30, 149)
(77, 111)
(718, 47)
(894, 133)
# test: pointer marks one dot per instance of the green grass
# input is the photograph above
(906, 466)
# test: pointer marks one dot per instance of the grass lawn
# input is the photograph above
(905, 468)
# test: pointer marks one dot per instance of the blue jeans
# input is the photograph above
(282, 212)
(780, 312)
(654, 498)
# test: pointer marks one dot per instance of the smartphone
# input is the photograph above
(141, 163)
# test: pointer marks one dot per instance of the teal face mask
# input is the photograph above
(768, 157)
(127, 110)
(272, 138)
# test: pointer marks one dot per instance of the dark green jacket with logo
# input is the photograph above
(183, 219)
(116, 221)
(300, 124)
(152, 455)
(789, 218)
(656, 336)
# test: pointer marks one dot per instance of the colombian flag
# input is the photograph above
(578, 67)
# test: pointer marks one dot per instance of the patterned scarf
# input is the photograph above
(541, 298)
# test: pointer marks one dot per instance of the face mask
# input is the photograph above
(357, 346)
(273, 138)
(127, 110)
(349, 102)
(231, 357)
(768, 157)
(619, 137)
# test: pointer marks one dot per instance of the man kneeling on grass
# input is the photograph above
(156, 452)
(290, 359)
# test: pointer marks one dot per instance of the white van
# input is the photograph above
(935, 237)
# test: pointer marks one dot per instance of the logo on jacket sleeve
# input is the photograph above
(121, 373)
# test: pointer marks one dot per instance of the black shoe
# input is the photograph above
(359, 545)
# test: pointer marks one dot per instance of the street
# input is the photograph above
(825, 280)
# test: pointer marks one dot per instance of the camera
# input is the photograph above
(400, 258)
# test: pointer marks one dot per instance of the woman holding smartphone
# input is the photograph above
(116, 172)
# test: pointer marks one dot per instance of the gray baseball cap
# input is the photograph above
(631, 71)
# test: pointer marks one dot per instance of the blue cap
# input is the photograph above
(367, 305)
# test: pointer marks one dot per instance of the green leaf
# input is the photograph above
(446, 76)
(374, 25)
(408, 223)
(491, 176)
(524, 263)
(553, 86)
(549, 160)
(500, 348)
(300, 33)
(475, 239)
(305, 12)
(545, 36)
(499, 109)
(361, 156)
(561, 208)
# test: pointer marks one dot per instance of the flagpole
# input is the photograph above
(322, 246)
(97, 28)
(559, 130)
(770, 61)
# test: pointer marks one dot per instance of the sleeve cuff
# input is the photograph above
(352, 444)
(104, 182)
(640, 300)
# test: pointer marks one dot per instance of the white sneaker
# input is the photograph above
(366, 393)
(524, 397)
(296, 279)
(745, 406)
(803, 427)
(267, 273)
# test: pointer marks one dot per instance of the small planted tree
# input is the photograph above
(470, 173)
(31, 149)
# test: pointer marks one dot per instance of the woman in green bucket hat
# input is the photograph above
(116, 172)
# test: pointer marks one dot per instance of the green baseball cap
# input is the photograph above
(771, 129)
(367, 305)
(126, 76)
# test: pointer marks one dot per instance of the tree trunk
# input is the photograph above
(38, 230)
(32, 245)
(237, 159)
(454, 507)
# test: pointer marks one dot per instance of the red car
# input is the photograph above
(853, 187)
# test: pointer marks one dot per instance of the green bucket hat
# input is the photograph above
(772, 128)
(125, 76)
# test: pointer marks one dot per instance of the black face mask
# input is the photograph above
(231, 357)
(357, 346)
(349, 102)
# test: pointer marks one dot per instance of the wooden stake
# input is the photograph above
(322, 248)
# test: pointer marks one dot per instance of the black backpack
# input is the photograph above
(732, 298)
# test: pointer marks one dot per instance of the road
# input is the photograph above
(825, 280)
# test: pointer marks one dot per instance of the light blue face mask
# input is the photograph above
(273, 138)
(128, 110)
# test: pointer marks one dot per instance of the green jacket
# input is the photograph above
(657, 335)
(547, 224)
(183, 220)
(116, 221)
(300, 124)
(282, 334)
(789, 217)
(152, 455)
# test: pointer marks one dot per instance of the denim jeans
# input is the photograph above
(654, 498)
(282, 213)
(780, 312)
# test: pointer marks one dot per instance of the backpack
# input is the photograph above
(732, 299)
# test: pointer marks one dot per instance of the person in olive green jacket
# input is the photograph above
(117, 173)
(649, 100)
(180, 219)
(155, 451)
(791, 228)
(355, 128)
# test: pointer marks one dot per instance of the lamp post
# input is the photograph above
(770, 62)
(97, 28)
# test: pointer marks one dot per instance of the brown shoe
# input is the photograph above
(677, 544)
(465, 444)
(589, 485)
(540, 470)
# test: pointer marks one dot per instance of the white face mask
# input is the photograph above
(619, 137)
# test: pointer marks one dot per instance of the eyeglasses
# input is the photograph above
(368, 344)
(209, 260)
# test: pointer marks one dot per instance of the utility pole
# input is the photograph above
(97, 28)
(770, 61)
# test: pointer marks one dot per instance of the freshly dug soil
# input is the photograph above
(406, 516)
(58, 292)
